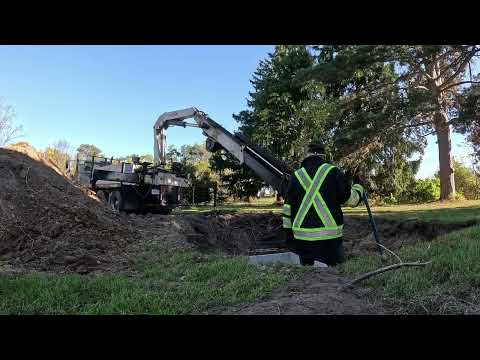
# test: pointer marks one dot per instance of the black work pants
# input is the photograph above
(329, 252)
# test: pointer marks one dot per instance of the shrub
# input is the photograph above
(425, 190)
(466, 182)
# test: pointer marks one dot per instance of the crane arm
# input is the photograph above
(273, 171)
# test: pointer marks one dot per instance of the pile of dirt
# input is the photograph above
(47, 223)
(316, 293)
(254, 233)
(30, 151)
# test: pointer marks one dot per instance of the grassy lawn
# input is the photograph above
(450, 284)
(166, 283)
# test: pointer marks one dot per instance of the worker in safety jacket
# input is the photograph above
(312, 214)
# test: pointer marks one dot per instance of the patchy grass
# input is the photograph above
(443, 211)
(451, 284)
(166, 283)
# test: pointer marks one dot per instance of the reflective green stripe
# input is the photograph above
(304, 179)
(310, 193)
(354, 198)
(286, 210)
(301, 176)
(339, 227)
(313, 196)
(317, 233)
(358, 187)
(287, 223)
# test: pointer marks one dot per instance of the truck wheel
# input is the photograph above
(116, 201)
(102, 195)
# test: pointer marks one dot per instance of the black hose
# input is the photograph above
(372, 221)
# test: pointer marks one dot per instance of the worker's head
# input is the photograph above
(316, 147)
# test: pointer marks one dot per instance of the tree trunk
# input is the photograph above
(447, 181)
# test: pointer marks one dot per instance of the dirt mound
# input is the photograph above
(47, 223)
(316, 293)
(30, 151)
(253, 233)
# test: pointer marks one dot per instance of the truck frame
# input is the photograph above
(131, 187)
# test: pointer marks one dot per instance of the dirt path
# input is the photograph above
(316, 293)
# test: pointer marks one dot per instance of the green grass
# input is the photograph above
(166, 283)
(447, 285)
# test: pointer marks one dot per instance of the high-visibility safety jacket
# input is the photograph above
(316, 192)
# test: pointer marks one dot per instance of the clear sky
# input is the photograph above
(110, 96)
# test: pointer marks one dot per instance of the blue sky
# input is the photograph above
(111, 96)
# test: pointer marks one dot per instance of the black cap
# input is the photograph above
(316, 146)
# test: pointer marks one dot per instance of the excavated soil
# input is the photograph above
(47, 223)
(317, 293)
(246, 234)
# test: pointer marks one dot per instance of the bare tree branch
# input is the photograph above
(8, 131)
(462, 66)
(384, 269)
(430, 133)
(460, 83)
(419, 124)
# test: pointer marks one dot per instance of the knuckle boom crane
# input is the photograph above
(141, 187)
(273, 171)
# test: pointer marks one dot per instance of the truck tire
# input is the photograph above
(115, 201)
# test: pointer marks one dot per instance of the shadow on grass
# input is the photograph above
(241, 207)
(446, 214)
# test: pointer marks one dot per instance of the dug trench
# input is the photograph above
(257, 233)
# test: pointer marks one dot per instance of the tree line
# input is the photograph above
(373, 105)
